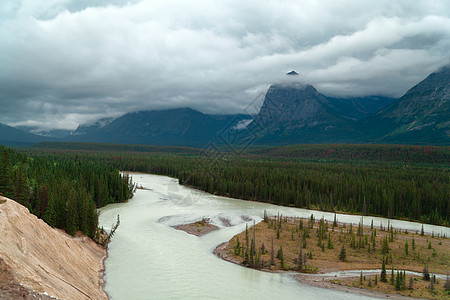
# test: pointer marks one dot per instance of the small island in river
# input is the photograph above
(311, 246)
(198, 228)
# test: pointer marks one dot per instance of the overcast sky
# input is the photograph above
(70, 62)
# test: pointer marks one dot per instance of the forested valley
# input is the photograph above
(62, 191)
(405, 182)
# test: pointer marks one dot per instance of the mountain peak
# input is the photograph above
(421, 115)
(292, 73)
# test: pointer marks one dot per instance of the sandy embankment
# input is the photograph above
(44, 260)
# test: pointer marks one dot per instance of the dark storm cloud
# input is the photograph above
(65, 63)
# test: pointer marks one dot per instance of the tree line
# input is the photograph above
(414, 192)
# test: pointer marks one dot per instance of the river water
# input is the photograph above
(149, 259)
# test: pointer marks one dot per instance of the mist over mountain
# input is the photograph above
(11, 136)
(182, 126)
(291, 113)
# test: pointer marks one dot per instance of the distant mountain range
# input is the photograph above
(291, 113)
(181, 126)
(11, 136)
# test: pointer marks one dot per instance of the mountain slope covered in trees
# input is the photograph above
(421, 116)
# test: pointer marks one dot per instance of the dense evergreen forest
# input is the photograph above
(63, 191)
(406, 182)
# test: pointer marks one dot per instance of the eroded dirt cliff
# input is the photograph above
(38, 260)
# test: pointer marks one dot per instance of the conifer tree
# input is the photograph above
(426, 274)
(281, 257)
(385, 246)
(343, 254)
(251, 261)
(72, 214)
(397, 282)
(5, 175)
(254, 238)
(272, 254)
(21, 187)
(300, 257)
(383, 276)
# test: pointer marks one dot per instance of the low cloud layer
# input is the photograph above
(65, 63)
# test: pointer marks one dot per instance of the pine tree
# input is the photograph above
(72, 214)
(383, 276)
(330, 242)
(426, 274)
(343, 254)
(254, 238)
(21, 187)
(272, 254)
(247, 258)
(406, 248)
(385, 246)
(397, 282)
(391, 235)
(251, 261)
(300, 257)
(281, 257)
(411, 282)
(404, 280)
(5, 176)
(237, 248)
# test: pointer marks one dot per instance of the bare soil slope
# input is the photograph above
(47, 260)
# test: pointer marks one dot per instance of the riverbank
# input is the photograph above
(38, 260)
(321, 246)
